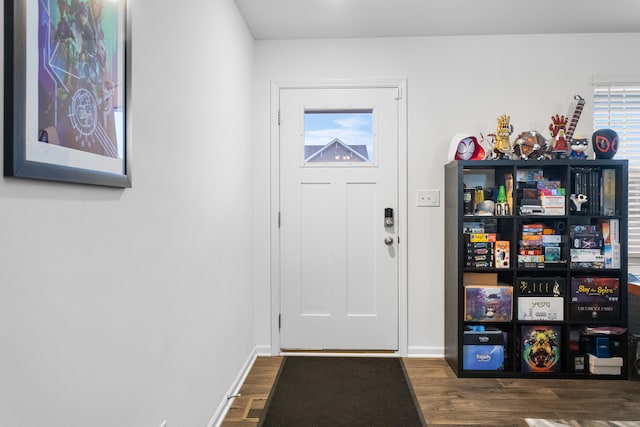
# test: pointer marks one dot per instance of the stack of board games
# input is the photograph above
(602, 341)
(539, 245)
(596, 245)
(480, 250)
(541, 298)
(531, 253)
(527, 194)
(552, 197)
(541, 348)
(540, 196)
(595, 299)
(587, 246)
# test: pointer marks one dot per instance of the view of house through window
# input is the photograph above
(332, 136)
(617, 107)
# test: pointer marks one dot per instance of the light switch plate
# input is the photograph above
(428, 198)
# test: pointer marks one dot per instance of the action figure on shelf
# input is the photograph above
(577, 200)
(558, 128)
(502, 145)
(488, 142)
(578, 148)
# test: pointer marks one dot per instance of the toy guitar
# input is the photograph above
(574, 120)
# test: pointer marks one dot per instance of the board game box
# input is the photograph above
(541, 308)
(485, 303)
(502, 254)
(595, 298)
(548, 286)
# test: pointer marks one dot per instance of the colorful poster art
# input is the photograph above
(541, 349)
(80, 93)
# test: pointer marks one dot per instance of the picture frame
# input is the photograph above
(67, 93)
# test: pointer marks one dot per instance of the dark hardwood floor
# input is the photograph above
(447, 400)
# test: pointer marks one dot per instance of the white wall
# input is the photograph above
(131, 307)
(455, 84)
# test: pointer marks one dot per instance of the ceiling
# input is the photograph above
(312, 19)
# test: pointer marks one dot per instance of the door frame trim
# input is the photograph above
(402, 218)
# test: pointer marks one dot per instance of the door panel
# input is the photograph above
(360, 248)
(339, 280)
(315, 249)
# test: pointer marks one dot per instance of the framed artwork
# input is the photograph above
(67, 91)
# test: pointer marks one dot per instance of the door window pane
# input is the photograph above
(344, 136)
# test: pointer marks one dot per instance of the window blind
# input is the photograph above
(617, 107)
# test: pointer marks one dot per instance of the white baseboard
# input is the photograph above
(426, 352)
(224, 406)
(263, 350)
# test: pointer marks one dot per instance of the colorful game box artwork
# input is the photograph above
(595, 298)
(486, 303)
(541, 349)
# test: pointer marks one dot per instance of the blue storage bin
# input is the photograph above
(483, 350)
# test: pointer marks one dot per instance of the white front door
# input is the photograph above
(338, 257)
